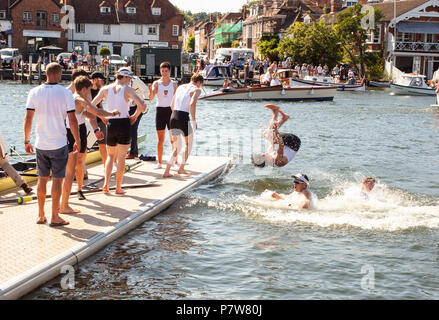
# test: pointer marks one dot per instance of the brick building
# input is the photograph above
(123, 25)
(36, 24)
(5, 24)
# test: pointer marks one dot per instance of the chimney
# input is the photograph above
(244, 13)
(336, 5)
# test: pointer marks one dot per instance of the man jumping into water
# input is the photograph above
(288, 144)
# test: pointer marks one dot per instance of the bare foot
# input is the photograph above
(41, 220)
(105, 189)
(120, 191)
(58, 222)
(69, 210)
(272, 107)
(167, 175)
(182, 171)
(285, 117)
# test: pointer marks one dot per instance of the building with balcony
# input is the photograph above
(409, 38)
(273, 17)
(5, 24)
(36, 24)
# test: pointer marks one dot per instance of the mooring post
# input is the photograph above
(30, 69)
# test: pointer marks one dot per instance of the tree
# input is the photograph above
(104, 52)
(268, 47)
(353, 32)
(315, 43)
(190, 45)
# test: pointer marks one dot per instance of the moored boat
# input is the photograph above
(328, 82)
(411, 84)
(379, 84)
(214, 75)
(274, 93)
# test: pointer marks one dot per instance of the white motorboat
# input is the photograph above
(327, 81)
(412, 84)
(274, 93)
(214, 75)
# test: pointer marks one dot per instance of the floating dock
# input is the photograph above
(32, 254)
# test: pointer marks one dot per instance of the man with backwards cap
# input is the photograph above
(301, 186)
(366, 186)
(287, 144)
(119, 96)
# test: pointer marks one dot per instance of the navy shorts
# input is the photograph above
(55, 160)
(163, 118)
(180, 123)
(118, 132)
(82, 136)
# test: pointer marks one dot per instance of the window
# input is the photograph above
(105, 10)
(131, 10)
(429, 38)
(3, 14)
(175, 46)
(152, 30)
(139, 29)
(409, 37)
(41, 19)
(107, 29)
(80, 28)
(374, 36)
(55, 17)
(27, 16)
(156, 11)
(175, 31)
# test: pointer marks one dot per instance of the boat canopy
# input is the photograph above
(218, 72)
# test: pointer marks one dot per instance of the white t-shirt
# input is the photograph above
(51, 103)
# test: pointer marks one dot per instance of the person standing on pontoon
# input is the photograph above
(287, 144)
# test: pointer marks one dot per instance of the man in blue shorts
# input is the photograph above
(51, 104)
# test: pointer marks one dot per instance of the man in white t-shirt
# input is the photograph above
(51, 104)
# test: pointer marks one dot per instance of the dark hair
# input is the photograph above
(197, 78)
(305, 176)
(82, 82)
(77, 73)
(165, 65)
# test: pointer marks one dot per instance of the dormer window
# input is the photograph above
(105, 10)
(156, 11)
(131, 10)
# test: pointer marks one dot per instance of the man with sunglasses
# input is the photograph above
(301, 190)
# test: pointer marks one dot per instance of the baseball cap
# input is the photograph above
(97, 75)
(303, 178)
(125, 72)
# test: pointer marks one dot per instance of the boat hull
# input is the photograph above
(378, 84)
(276, 94)
(214, 82)
(340, 87)
(408, 90)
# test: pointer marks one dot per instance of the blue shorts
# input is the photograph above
(55, 160)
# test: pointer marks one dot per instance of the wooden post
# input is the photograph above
(39, 72)
(22, 73)
(30, 69)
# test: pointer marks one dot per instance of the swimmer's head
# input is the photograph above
(368, 183)
(301, 182)
(258, 160)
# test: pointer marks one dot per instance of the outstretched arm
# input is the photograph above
(91, 109)
(141, 105)
(193, 108)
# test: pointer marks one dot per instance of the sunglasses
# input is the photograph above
(298, 182)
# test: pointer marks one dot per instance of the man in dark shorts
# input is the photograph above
(52, 103)
(287, 144)
(98, 80)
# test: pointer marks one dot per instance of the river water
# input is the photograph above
(228, 240)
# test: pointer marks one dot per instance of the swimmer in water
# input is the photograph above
(287, 144)
(301, 187)
(367, 186)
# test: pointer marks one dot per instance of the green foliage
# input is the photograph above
(374, 65)
(315, 43)
(352, 35)
(268, 47)
(190, 45)
(235, 44)
(104, 51)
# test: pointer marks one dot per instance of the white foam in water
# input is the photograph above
(385, 209)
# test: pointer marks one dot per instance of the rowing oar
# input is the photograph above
(21, 200)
